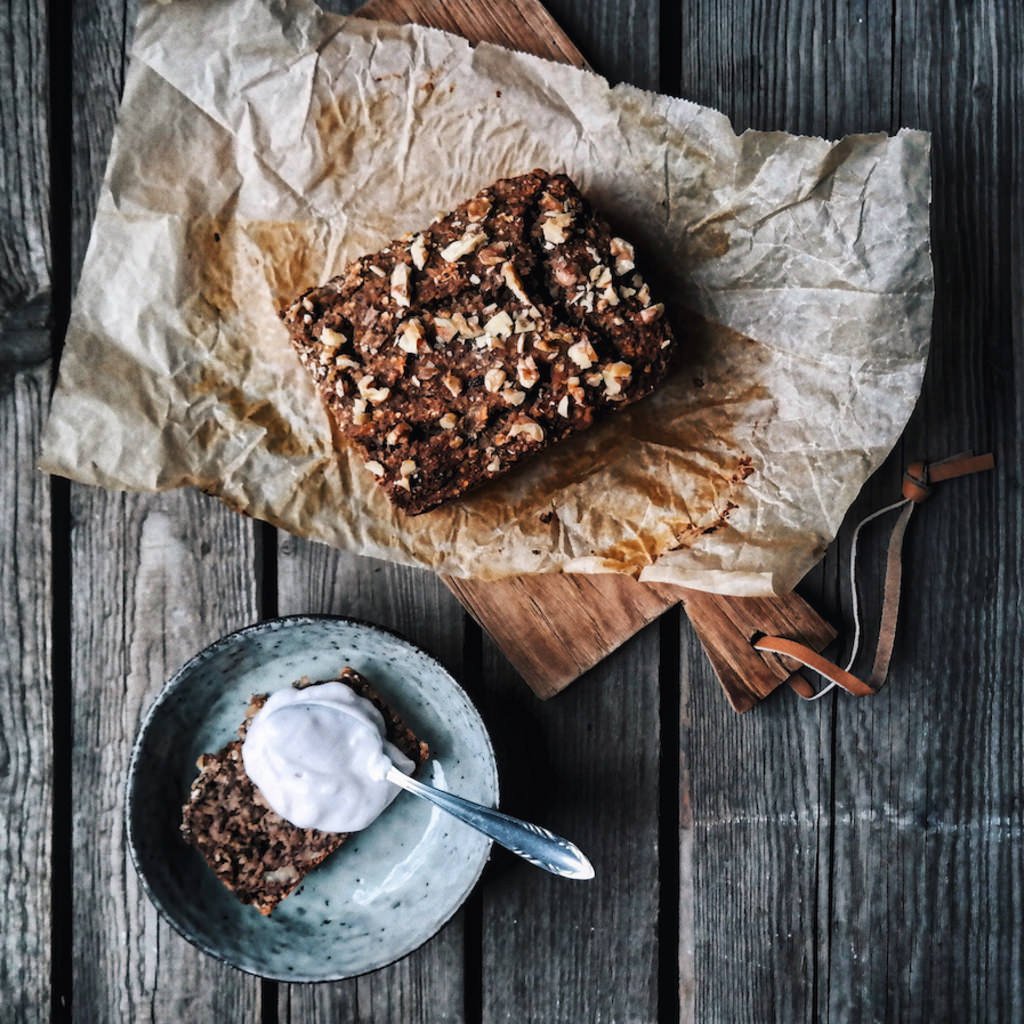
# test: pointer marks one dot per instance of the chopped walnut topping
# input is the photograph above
(627, 293)
(410, 336)
(514, 396)
(608, 296)
(474, 278)
(359, 416)
(468, 328)
(397, 434)
(448, 421)
(543, 346)
(456, 442)
(615, 375)
(400, 284)
(563, 406)
(478, 207)
(583, 354)
(493, 254)
(444, 328)
(403, 482)
(514, 282)
(332, 339)
(527, 372)
(453, 384)
(494, 378)
(374, 269)
(494, 466)
(622, 252)
(564, 272)
(666, 343)
(346, 363)
(307, 304)
(555, 227)
(644, 295)
(652, 313)
(524, 324)
(594, 379)
(407, 468)
(500, 325)
(375, 467)
(601, 276)
(470, 241)
(528, 428)
(418, 252)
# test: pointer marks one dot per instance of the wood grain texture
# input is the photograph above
(26, 693)
(586, 766)
(26, 685)
(520, 26)
(24, 163)
(155, 578)
(918, 853)
(928, 876)
(755, 841)
(556, 627)
(726, 627)
(427, 986)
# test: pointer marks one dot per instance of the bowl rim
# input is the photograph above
(133, 767)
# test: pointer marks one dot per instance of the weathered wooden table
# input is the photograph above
(843, 860)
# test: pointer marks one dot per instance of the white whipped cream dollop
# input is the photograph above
(319, 757)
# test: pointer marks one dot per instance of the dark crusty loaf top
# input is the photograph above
(503, 327)
(257, 854)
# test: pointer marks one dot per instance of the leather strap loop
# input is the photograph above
(813, 660)
(917, 486)
(919, 476)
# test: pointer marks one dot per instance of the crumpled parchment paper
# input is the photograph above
(262, 144)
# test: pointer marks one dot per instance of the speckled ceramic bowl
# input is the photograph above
(387, 890)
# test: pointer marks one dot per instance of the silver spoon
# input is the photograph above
(531, 842)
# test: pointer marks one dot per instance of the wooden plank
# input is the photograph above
(24, 156)
(26, 696)
(587, 766)
(427, 986)
(727, 627)
(554, 628)
(756, 795)
(155, 578)
(928, 877)
(518, 26)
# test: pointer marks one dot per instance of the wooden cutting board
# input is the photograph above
(555, 627)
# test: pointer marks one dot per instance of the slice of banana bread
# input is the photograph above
(509, 324)
(258, 855)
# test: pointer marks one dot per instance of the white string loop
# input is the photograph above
(854, 599)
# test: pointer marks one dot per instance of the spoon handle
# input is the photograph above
(531, 842)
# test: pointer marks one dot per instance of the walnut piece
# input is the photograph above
(494, 378)
(622, 251)
(527, 428)
(583, 354)
(555, 227)
(410, 335)
(400, 284)
(418, 252)
(471, 240)
(615, 375)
